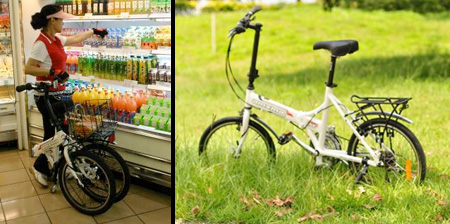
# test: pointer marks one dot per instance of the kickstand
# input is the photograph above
(364, 170)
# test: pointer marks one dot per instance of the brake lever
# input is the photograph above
(231, 33)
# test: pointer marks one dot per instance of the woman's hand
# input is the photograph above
(101, 32)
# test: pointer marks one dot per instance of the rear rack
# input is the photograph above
(384, 107)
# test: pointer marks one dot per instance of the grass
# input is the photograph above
(401, 54)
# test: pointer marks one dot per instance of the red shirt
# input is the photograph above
(57, 55)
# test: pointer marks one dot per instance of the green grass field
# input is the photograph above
(400, 54)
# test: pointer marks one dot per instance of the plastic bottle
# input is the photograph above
(130, 67)
(147, 8)
(123, 6)
(76, 95)
(134, 6)
(136, 63)
(89, 6)
(128, 6)
(117, 7)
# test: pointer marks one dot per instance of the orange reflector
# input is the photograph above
(408, 169)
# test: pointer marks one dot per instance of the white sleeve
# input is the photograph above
(63, 39)
(39, 51)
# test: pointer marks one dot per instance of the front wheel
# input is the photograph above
(98, 192)
(399, 147)
(219, 141)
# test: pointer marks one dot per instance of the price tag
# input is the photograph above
(125, 15)
(88, 15)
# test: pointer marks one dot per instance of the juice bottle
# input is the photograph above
(143, 70)
(147, 8)
(81, 64)
(136, 68)
(134, 6)
(89, 6)
(83, 7)
(128, 6)
(123, 6)
(76, 95)
(101, 7)
(74, 6)
(129, 71)
(95, 7)
(101, 96)
(68, 61)
(132, 106)
(79, 7)
(84, 95)
(111, 7)
(74, 66)
(117, 5)
(123, 66)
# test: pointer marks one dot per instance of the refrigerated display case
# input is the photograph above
(145, 145)
(8, 119)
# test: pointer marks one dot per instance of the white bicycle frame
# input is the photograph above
(50, 148)
(312, 125)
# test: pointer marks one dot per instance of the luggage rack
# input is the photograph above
(384, 107)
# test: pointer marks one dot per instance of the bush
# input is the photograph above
(183, 6)
(421, 6)
(225, 6)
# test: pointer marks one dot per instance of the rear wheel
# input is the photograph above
(219, 141)
(399, 147)
(116, 164)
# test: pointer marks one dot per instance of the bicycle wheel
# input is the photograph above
(98, 193)
(398, 145)
(116, 164)
(219, 141)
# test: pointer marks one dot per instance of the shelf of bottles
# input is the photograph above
(116, 9)
(6, 66)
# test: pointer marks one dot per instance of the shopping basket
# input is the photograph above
(92, 120)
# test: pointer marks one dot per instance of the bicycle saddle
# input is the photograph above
(338, 47)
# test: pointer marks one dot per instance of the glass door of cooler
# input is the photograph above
(8, 121)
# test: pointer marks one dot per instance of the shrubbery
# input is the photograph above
(421, 6)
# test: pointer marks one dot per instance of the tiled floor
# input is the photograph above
(24, 201)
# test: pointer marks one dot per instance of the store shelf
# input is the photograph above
(164, 51)
(6, 81)
(159, 87)
(124, 83)
(121, 17)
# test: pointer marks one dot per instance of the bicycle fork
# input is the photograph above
(244, 130)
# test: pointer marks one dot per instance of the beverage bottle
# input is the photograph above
(89, 6)
(79, 7)
(111, 7)
(75, 64)
(136, 68)
(134, 6)
(101, 7)
(95, 65)
(95, 7)
(114, 102)
(68, 63)
(143, 70)
(80, 64)
(101, 96)
(123, 6)
(83, 96)
(129, 71)
(74, 7)
(83, 6)
(128, 5)
(117, 7)
(76, 95)
(121, 108)
(132, 107)
(146, 6)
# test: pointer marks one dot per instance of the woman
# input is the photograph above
(47, 61)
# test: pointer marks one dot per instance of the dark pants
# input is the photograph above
(59, 108)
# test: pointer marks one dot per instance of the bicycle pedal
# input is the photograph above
(361, 174)
(285, 138)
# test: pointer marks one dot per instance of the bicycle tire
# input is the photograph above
(388, 129)
(116, 164)
(255, 130)
(102, 172)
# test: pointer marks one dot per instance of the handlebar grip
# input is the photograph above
(255, 9)
(21, 88)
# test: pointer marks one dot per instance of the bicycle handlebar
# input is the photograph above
(39, 85)
(244, 23)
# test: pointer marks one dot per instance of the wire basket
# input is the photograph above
(92, 119)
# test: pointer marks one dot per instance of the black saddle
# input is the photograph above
(338, 47)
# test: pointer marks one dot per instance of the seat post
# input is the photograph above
(331, 73)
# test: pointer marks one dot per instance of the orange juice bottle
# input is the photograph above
(83, 95)
(76, 95)
(131, 106)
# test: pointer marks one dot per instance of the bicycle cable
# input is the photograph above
(228, 66)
